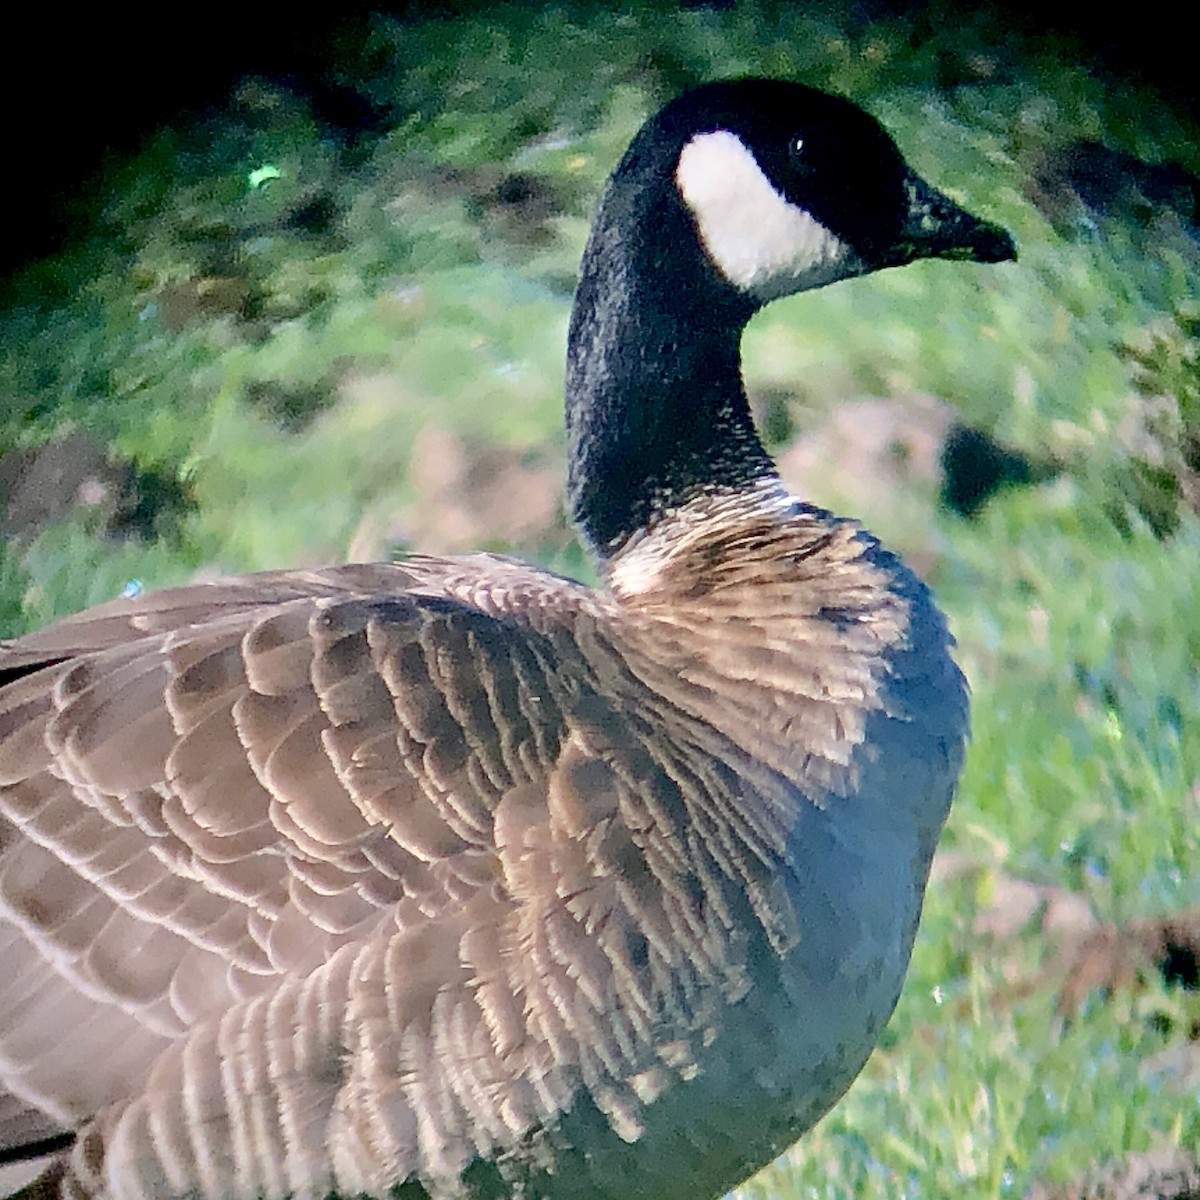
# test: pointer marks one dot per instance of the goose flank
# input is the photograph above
(455, 878)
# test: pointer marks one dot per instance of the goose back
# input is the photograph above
(423, 860)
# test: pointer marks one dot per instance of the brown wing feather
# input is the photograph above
(371, 872)
(414, 820)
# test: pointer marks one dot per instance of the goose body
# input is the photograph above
(459, 877)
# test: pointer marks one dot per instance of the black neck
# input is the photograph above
(656, 410)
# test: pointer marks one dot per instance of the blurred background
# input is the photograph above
(280, 292)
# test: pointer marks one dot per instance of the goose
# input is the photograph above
(452, 877)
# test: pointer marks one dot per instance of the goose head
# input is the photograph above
(733, 195)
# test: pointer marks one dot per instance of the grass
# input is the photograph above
(270, 311)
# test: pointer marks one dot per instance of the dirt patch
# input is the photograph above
(1166, 1174)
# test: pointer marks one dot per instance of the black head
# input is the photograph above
(790, 188)
(733, 194)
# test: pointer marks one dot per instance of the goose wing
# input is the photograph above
(324, 878)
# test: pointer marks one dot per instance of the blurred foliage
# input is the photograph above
(1163, 478)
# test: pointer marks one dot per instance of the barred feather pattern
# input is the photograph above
(314, 883)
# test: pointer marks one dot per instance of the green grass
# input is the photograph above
(1078, 627)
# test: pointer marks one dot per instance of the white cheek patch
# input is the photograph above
(757, 239)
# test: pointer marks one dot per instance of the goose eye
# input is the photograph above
(796, 147)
